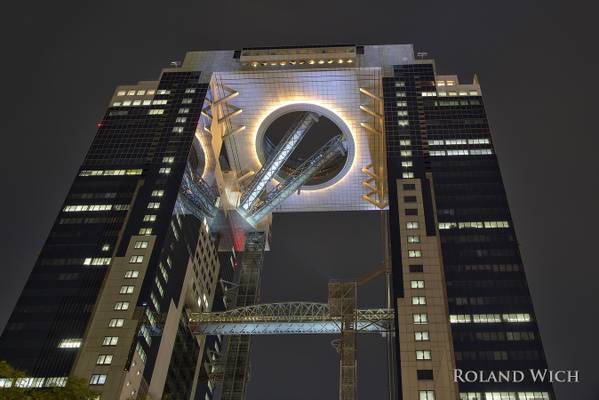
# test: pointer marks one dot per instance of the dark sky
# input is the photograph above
(537, 62)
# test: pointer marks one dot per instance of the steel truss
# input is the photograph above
(281, 153)
(331, 150)
(290, 318)
(197, 196)
(233, 370)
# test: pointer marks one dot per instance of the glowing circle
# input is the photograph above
(338, 121)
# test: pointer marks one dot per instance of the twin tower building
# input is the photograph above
(148, 283)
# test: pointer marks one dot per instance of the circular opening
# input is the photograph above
(317, 136)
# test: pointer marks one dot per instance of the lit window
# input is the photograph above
(414, 239)
(184, 111)
(127, 103)
(131, 93)
(70, 343)
(516, 317)
(421, 336)
(420, 319)
(121, 93)
(137, 102)
(178, 129)
(121, 306)
(125, 289)
(418, 300)
(414, 253)
(141, 245)
(407, 164)
(145, 231)
(104, 359)
(105, 247)
(181, 120)
(131, 274)
(486, 318)
(147, 102)
(159, 286)
(417, 284)
(168, 160)
(412, 225)
(157, 193)
(116, 104)
(97, 379)
(405, 142)
(440, 83)
(110, 341)
(426, 394)
(155, 301)
(400, 94)
(163, 91)
(407, 175)
(97, 261)
(186, 101)
(402, 104)
(163, 272)
(141, 92)
(406, 153)
(459, 319)
(190, 90)
(403, 122)
(156, 111)
(450, 83)
(447, 225)
(154, 205)
(164, 170)
(149, 218)
(159, 102)
(400, 84)
(136, 259)
(423, 354)
(116, 323)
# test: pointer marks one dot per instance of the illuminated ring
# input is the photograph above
(303, 107)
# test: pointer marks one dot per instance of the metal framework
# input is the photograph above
(234, 370)
(333, 148)
(289, 318)
(197, 196)
(281, 153)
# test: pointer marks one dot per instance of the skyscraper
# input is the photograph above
(149, 280)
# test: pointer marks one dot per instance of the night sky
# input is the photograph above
(537, 63)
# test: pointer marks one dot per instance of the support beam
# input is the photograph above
(280, 155)
(196, 194)
(289, 318)
(342, 303)
(331, 150)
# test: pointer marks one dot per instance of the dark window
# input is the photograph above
(409, 199)
(424, 374)
(416, 268)
(409, 186)
(411, 211)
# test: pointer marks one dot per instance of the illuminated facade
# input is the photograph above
(149, 281)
